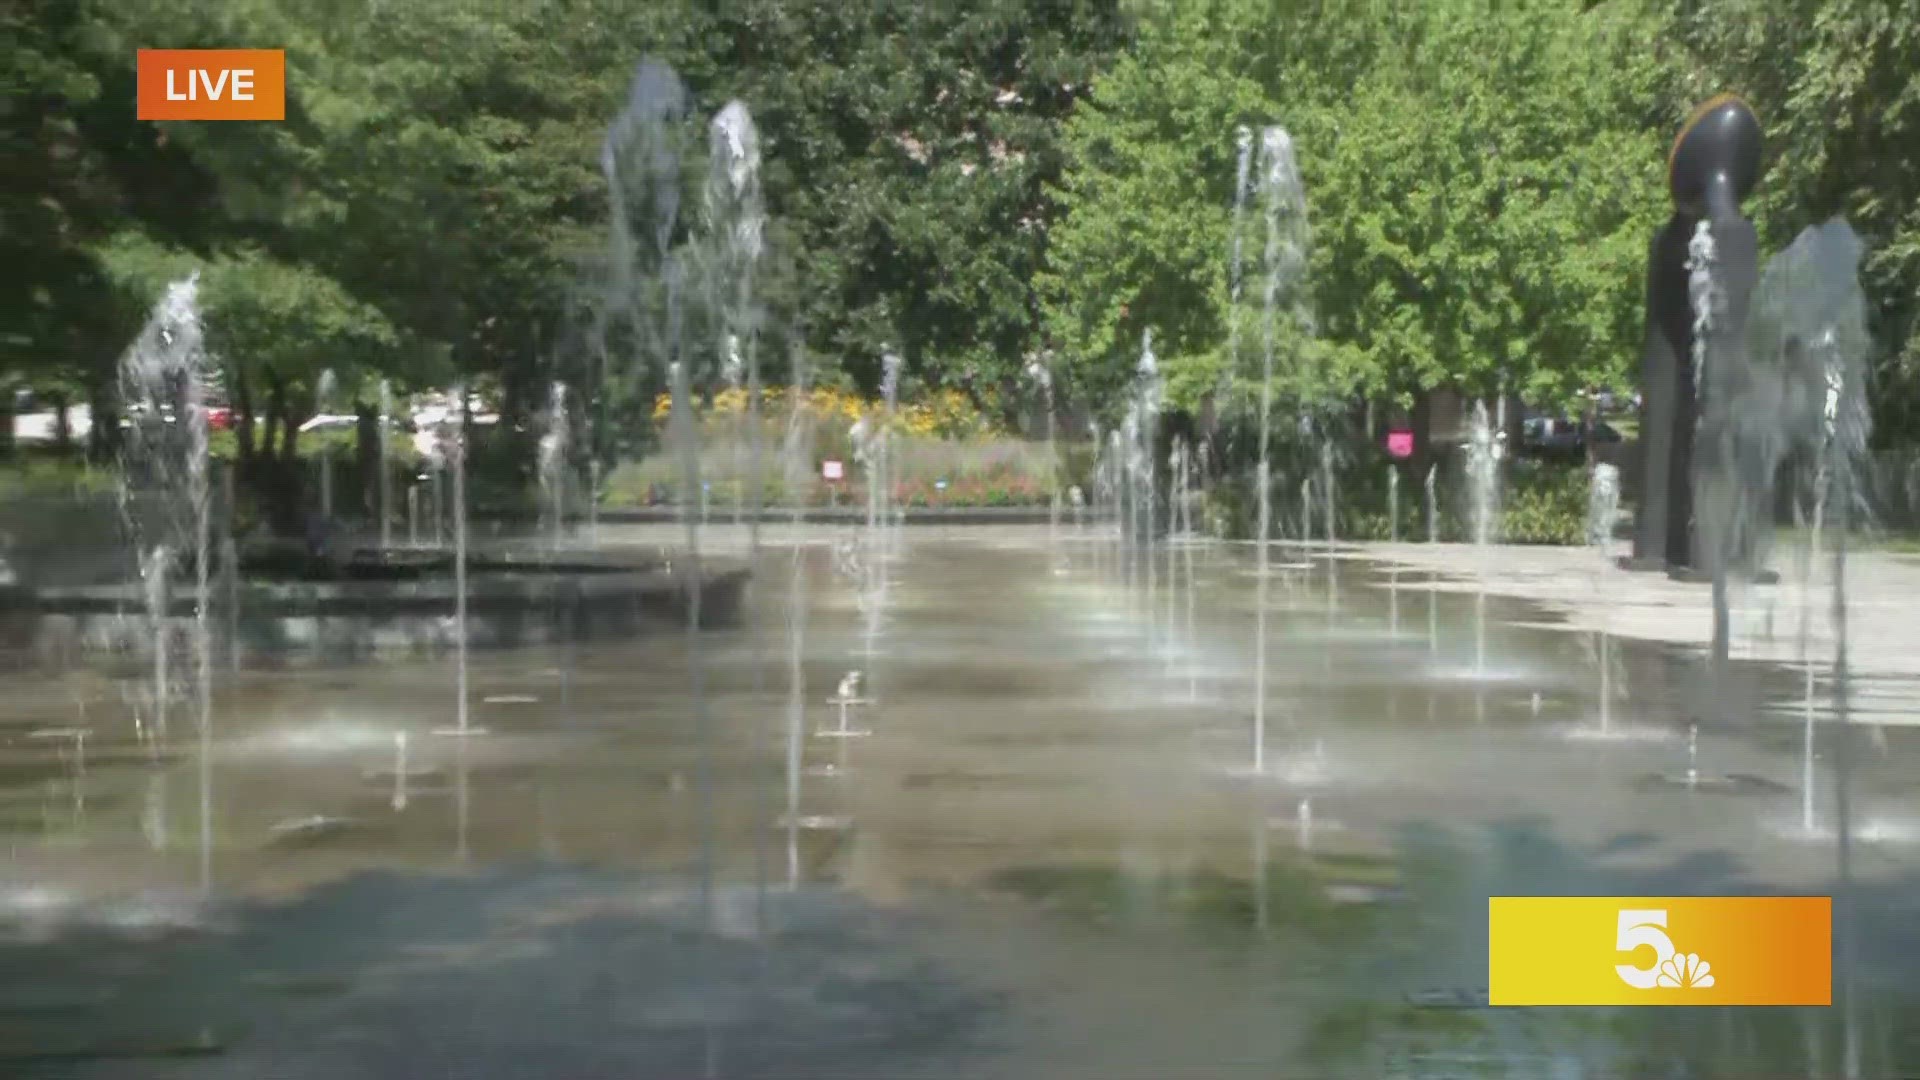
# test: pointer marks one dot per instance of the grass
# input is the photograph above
(32, 474)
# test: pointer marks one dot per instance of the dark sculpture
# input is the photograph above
(1712, 169)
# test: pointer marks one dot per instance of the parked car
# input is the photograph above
(1555, 433)
(1609, 401)
(329, 422)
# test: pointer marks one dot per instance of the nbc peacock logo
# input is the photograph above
(1671, 969)
(1685, 972)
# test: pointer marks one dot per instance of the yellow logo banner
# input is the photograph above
(1660, 950)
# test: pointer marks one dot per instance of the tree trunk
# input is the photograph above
(62, 424)
(1421, 421)
(243, 447)
(267, 487)
(1591, 423)
(278, 490)
(103, 437)
(270, 431)
(290, 484)
(516, 437)
(367, 450)
(242, 418)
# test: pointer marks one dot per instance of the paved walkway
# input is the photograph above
(1883, 608)
(1586, 591)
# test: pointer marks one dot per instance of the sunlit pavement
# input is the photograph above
(1046, 859)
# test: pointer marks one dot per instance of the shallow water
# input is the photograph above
(1046, 859)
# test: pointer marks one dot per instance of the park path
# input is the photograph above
(1592, 594)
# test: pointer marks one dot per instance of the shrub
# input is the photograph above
(1541, 502)
(976, 472)
(1546, 503)
(36, 475)
(941, 414)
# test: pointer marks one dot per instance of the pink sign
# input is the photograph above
(1400, 443)
(832, 470)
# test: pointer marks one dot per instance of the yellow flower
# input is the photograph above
(941, 414)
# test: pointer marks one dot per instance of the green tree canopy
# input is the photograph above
(1836, 84)
(1482, 179)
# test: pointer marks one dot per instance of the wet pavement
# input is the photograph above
(1046, 858)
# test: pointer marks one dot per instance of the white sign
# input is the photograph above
(832, 470)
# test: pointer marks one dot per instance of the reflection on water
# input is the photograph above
(1038, 861)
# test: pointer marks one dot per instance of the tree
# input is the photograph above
(1483, 212)
(56, 319)
(1837, 86)
(442, 204)
(909, 151)
(1147, 195)
(1472, 223)
(271, 328)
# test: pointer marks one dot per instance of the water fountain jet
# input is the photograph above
(1484, 451)
(1285, 263)
(846, 697)
(797, 457)
(166, 501)
(455, 451)
(1603, 510)
(553, 452)
(323, 396)
(384, 475)
(1393, 504)
(1041, 375)
(1433, 522)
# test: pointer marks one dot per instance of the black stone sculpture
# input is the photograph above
(1712, 169)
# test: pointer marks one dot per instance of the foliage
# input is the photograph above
(1484, 210)
(1545, 503)
(971, 185)
(1836, 84)
(54, 194)
(939, 414)
(1010, 489)
(265, 320)
(1542, 502)
(1472, 221)
(439, 166)
(53, 475)
(979, 472)
(1147, 190)
(912, 147)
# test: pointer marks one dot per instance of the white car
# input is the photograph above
(329, 422)
(39, 427)
(429, 442)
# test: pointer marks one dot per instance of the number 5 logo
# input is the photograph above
(1637, 927)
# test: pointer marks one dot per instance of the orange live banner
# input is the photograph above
(1660, 950)
(212, 84)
